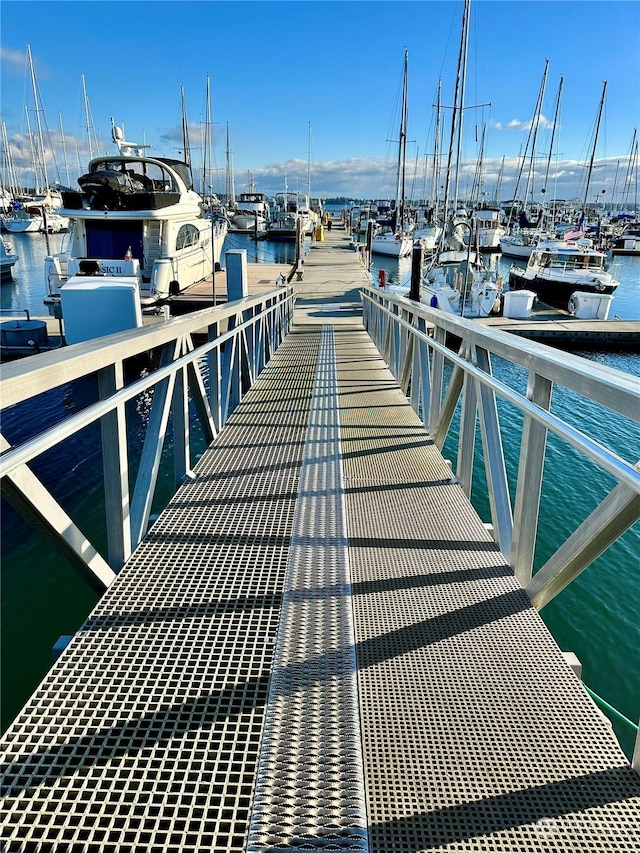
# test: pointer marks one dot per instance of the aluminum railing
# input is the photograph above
(239, 339)
(444, 365)
(415, 341)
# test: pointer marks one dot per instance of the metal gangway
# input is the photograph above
(319, 644)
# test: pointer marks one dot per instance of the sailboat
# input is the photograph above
(487, 226)
(38, 212)
(523, 237)
(456, 280)
(562, 273)
(390, 237)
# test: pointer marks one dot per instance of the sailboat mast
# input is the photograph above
(185, 131)
(628, 180)
(556, 112)
(454, 112)
(87, 116)
(309, 166)
(436, 150)
(40, 154)
(462, 75)
(536, 127)
(34, 160)
(402, 147)
(64, 151)
(207, 139)
(595, 142)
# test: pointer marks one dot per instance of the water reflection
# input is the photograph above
(27, 289)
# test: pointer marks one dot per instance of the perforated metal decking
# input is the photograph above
(413, 699)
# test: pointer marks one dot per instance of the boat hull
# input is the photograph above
(393, 247)
(557, 291)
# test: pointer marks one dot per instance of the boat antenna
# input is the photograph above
(127, 149)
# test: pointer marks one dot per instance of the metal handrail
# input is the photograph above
(240, 338)
(414, 339)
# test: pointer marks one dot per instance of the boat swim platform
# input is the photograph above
(317, 646)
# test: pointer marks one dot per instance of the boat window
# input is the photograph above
(151, 175)
(188, 235)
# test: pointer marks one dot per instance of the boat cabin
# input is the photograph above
(568, 259)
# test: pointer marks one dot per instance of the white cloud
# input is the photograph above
(15, 61)
(517, 124)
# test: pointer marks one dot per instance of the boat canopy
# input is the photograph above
(150, 174)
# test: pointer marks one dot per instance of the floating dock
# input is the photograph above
(559, 328)
(317, 646)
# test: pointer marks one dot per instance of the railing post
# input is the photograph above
(181, 428)
(115, 466)
(496, 469)
(529, 485)
(467, 441)
(215, 376)
(437, 380)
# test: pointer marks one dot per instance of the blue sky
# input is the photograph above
(319, 83)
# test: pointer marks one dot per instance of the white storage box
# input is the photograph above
(590, 306)
(518, 304)
(93, 306)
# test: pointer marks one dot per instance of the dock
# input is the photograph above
(318, 645)
(213, 289)
(559, 328)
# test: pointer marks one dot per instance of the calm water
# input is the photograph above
(43, 598)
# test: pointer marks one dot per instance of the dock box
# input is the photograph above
(518, 304)
(585, 305)
(93, 306)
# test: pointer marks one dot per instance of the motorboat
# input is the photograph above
(7, 259)
(628, 243)
(290, 209)
(556, 270)
(251, 214)
(137, 219)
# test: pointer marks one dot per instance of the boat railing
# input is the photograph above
(440, 381)
(197, 368)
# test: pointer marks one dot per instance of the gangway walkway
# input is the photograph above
(317, 646)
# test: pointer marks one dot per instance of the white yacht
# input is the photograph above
(251, 214)
(136, 219)
(290, 207)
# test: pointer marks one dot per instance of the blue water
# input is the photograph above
(44, 598)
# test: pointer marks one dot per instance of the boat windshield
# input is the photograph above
(152, 176)
(573, 260)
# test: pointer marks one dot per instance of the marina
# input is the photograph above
(320, 492)
(319, 600)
